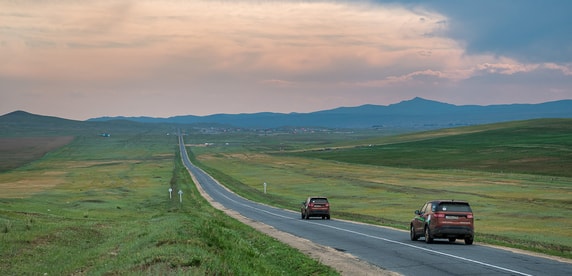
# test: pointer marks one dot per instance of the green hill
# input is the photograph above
(24, 124)
(541, 146)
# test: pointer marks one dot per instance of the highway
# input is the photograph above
(386, 248)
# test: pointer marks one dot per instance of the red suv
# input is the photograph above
(315, 206)
(443, 219)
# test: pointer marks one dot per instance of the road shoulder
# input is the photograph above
(344, 263)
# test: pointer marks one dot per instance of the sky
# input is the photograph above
(160, 58)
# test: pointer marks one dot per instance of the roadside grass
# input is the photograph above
(526, 210)
(109, 212)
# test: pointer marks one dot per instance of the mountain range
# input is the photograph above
(417, 113)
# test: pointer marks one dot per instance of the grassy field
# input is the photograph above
(101, 206)
(542, 147)
(19, 151)
(515, 175)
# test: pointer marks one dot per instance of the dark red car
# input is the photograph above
(443, 219)
(315, 206)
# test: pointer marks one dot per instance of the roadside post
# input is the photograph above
(265, 187)
(181, 196)
(170, 193)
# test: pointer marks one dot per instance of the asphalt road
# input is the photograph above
(387, 248)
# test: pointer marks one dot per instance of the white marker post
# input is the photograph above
(170, 193)
(181, 196)
(265, 187)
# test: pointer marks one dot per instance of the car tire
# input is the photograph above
(469, 241)
(412, 234)
(428, 238)
(307, 216)
(328, 217)
(452, 239)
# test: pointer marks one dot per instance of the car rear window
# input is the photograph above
(454, 207)
(319, 200)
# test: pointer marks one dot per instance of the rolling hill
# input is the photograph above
(540, 146)
(414, 114)
(23, 124)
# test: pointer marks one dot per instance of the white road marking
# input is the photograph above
(384, 239)
(367, 235)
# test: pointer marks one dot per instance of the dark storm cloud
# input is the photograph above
(527, 30)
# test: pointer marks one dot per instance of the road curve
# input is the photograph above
(383, 247)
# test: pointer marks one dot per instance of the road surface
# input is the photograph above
(383, 247)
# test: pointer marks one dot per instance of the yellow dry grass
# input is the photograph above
(24, 184)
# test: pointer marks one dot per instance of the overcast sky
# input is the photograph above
(84, 59)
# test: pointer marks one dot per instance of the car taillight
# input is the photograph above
(311, 205)
(327, 205)
(439, 215)
(470, 216)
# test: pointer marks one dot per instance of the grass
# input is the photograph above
(523, 206)
(18, 151)
(101, 206)
(540, 147)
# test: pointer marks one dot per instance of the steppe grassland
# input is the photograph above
(16, 152)
(110, 213)
(23, 184)
(91, 170)
(524, 210)
(97, 159)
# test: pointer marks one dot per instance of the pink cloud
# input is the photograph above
(243, 55)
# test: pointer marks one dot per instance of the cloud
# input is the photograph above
(563, 69)
(425, 76)
(278, 83)
(506, 68)
(241, 56)
(256, 37)
(527, 30)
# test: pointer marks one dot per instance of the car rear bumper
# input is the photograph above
(318, 213)
(452, 232)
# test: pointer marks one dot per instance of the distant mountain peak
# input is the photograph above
(419, 101)
(421, 105)
(19, 113)
(416, 113)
